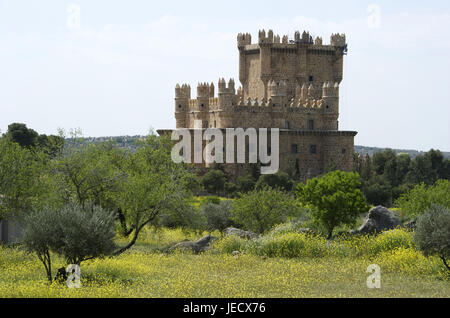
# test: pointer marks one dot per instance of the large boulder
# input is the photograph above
(201, 245)
(379, 219)
(240, 233)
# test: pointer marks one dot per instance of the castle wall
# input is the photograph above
(333, 150)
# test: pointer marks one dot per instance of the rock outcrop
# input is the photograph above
(201, 245)
(240, 233)
(379, 219)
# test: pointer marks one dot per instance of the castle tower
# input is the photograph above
(226, 94)
(201, 109)
(302, 60)
(182, 97)
(276, 72)
(330, 97)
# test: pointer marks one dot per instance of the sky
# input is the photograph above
(110, 67)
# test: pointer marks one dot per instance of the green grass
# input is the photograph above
(291, 265)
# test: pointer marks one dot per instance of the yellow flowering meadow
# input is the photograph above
(289, 265)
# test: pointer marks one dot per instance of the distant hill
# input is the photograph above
(363, 150)
(132, 142)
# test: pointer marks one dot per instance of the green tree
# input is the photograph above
(422, 197)
(380, 159)
(276, 180)
(367, 170)
(403, 163)
(432, 234)
(218, 216)
(378, 191)
(154, 186)
(421, 170)
(28, 138)
(259, 210)
(438, 163)
(334, 199)
(25, 137)
(89, 173)
(245, 183)
(51, 145)
(20, 178)
(214, 181)
(41, 232)
(230, 189)
(390, 171)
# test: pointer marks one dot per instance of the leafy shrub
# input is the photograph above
(214, 181)
(370, 245)
(378, 191)
(230, 189)
(389, 241)
(218, 216)
(184, 216)
(407, 260)
(259, 210)
(289, 227)
(422, 197)
(277, 180)
(433, 233)
(230, 244)
(245, 183)
(290, 245)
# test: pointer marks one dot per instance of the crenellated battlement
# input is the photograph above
(244, 39)
(205, 90)
(281, 80)
(277, 100)
(269, 38)
(224, 89)
(337, 39)
(183, 91)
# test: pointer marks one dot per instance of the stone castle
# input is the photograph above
(290, 84)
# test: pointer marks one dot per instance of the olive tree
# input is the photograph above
(41, 233)
(218, 216)
(74, 232)
(432, 234)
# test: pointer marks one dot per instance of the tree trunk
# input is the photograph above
(445, 262)
(46, 260)
(330, 234)
(135, 236)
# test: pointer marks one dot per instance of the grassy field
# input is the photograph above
(280, 265)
